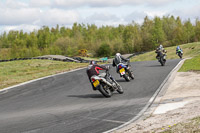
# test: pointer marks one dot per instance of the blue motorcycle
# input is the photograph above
(125, 71)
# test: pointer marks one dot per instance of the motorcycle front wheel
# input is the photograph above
(162, 62)
(180, 55)
(119, 89)
(132, 75)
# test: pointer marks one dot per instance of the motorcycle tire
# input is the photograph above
(126, 77)
(180, 55)
(162, 62)
(132, 75)
(106, 92)
(119, 89)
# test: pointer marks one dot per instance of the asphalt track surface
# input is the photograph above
(66, 103)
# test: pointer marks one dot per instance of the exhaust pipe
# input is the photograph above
(105, 81)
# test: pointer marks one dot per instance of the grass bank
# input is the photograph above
(189, 50)
(15, 72)
(191, 64)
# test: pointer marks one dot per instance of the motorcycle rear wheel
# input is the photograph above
(105, 91)
(126, 77)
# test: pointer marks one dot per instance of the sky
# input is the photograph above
(28, 15)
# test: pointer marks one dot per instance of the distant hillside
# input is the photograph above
(189, 50)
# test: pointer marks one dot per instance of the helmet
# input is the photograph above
(118, 54)
(92, 62)
(161, 46)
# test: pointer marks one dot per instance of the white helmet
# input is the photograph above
(118, 54)
(161, 46)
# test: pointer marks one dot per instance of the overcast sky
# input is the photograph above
(33, 14)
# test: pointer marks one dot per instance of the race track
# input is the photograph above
(66, 103)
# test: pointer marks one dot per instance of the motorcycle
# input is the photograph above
(106, 84)
(180, 53)
(162, 58)
(125, 71)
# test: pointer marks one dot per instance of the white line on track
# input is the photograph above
(148, 104)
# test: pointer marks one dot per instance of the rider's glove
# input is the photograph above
(107, 67)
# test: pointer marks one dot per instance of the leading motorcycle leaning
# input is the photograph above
(104, 82)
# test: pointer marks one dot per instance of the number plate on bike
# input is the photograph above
(96, 83)
(122, 71)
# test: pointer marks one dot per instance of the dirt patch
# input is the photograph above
(180, 103)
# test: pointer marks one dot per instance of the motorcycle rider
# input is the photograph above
(178, 48)
(93, 69)
(159, 50)
(119, 59)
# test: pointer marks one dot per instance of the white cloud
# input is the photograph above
(110, 3)
(18, 16)
(155, 3)
(136, 17)
(26, 28)
(37, 16)
(40, 3)
(152, 14)
(188, 13)
(14, 4)
(18, 13)
(102, 17)
(57, 16)
(107, 23)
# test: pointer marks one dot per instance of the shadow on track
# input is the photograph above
(156, 66)
(88, 96)
(121, 80)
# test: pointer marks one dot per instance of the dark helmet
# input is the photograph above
(92, 62)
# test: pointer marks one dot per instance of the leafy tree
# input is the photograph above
(178, 33)
(100, 41)
(104, 50)
(189, 31)
(158, 35)
(197, 30)
(146, 34)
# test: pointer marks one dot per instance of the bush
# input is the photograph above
(104, 50)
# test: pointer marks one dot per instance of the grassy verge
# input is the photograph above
(190, 50)
(16, 72)
(191, 65)
(191, 126)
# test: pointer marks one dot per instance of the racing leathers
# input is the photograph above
(177, 49)
(160, 50)
(119, 59)
(94, 70)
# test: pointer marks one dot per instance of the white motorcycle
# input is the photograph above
(106, 84)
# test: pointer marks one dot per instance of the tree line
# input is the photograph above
(99, 41)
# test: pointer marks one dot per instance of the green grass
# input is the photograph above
(189, 50)
(191, 64)
(15, 72)
(191, 126)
